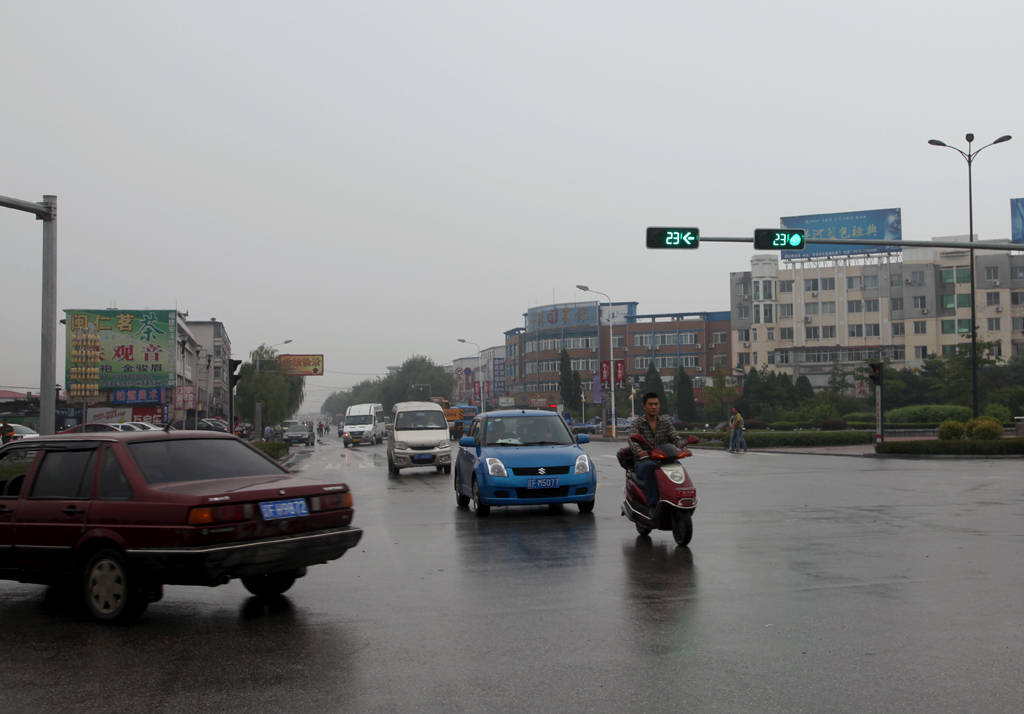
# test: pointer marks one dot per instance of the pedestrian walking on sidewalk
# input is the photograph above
(735, 427)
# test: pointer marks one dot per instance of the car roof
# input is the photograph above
(419, 405)
(520, 412)
(148, 435)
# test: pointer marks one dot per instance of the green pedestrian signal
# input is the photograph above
(673, 237)
(778, 239)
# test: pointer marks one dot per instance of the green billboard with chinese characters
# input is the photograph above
(137, 348)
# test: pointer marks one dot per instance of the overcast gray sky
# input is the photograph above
(377, 179)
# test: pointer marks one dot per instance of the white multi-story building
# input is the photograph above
(803, 316)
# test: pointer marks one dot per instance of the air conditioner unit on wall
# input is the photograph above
(698, 369)
(999, 309)
(593, 350)
(697, 346)
(807, 319)
(814, 294)
(746, 344)
(995, 283)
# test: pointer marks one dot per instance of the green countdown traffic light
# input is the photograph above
(673, 238)
(778, 239)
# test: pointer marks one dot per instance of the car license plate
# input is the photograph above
(273, 510)
(542, 483)
(422, 457)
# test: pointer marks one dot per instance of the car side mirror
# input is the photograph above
(582, 438)
(468, 441)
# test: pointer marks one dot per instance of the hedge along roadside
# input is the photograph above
(274, 449)
(777, 439)
(963, 447)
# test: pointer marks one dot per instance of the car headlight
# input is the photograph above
(401, 445)
(443, 444)
(496, 468)
(675, 472)
(582, 464)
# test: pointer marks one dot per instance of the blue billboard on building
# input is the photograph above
(1017, 220)
(582, 314)
(880, 224)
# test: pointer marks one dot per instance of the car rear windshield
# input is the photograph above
(172, 461)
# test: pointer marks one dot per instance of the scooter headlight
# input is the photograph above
(582, 464)
(496, 468)
(675, 472)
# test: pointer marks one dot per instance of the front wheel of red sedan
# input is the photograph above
(111, 593)
(270, 585)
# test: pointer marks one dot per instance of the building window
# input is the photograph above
(1018, 323)
(812, 333)
(946, 275)
(948, 350)
(719, 360)
(854, 306)
(870, 281)
(785, 311)
(828, 283)
(920, 353)
(872, 331)
(641, 363)
(948, 327)
(856, 330)
(917, 277)
(828, 307)
(689, 360)
(811, 308)
(743, 312)
(895, 280)
(617, 342)
(920, 327)
(1016, 272)
(743, 359)
(853, 282)
(768, 313)
(771, 334)
(948, 302)
(742, 288)
(1017, 298)
(963, 300)
(996, 350)
(920, 302)
(896, 304)
(871, 306)
(743, 335)
(963, 325)
(641, 340)
(718, 338)
(757, 314)
(811, 284)
(897, 329)
(991, 298)
(963, 275)
(992, 272)
(766, 289)
(785, 286)
(753, 334)
(785, 333)
(994, 324)
(828, 332)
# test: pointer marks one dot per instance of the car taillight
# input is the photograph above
(228, 513)
(330, 502)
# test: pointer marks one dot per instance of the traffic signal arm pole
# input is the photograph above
(894, 243)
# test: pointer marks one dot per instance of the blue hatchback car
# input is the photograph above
(523, 457)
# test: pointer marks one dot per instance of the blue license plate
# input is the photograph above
(542, 483)
(423, 457)
(274, 510)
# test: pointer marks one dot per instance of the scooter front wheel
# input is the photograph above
(682, 527)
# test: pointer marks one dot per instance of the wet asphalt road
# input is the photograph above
(813, 584)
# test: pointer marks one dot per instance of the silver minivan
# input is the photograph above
(418, 436)
(364, 424)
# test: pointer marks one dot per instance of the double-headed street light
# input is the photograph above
(969, 158)
(611, 352)
(478, 369)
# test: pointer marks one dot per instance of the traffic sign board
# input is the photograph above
(673, 238)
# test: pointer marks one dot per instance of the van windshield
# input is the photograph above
(359, 419)
(420, 420)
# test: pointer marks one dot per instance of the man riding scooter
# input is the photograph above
(656, 430)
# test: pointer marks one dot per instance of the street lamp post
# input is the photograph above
(611, 350)
(479, 359)
(969, 158)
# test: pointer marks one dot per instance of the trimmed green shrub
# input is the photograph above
(984, 428)
(783, 426)
(833, 425)
(860, 416)
(274, 449)
(963, 447)
(998, 412)
(923, 413)
(952, 430)
(768, 439)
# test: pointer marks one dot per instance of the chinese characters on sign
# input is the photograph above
(136, 347)
(301, 365)
(884, 224)
(566, 315)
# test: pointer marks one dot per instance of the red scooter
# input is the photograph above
(677, 496)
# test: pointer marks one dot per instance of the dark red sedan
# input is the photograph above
(120, 514)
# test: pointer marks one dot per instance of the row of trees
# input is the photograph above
(259, 382)
(418, 379)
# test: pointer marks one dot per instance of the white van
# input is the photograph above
(418, 436)
(364, 424)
